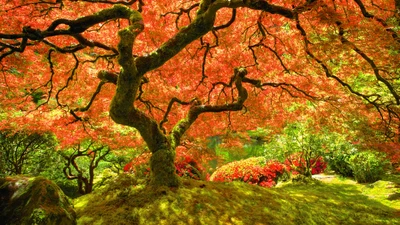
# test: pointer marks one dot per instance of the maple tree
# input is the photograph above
(237, 64)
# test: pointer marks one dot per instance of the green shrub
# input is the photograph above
(367, 166)
(339, 162)
(339, 151)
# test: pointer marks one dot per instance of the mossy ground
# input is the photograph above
(338, 201)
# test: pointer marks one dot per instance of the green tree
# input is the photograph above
(81, 162)
(300, 145)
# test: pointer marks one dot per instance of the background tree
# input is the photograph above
(81, 163)
(24, 152)
(227, 64)
(300, 146)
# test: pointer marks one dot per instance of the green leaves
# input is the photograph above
(367, 166)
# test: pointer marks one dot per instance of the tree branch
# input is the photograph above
(202, 24)
(182, 126)
(370, 62)
(380, 20)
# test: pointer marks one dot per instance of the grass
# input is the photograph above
(339, 201)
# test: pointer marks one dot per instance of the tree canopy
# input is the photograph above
(159, 67)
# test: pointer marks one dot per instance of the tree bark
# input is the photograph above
(163, 168)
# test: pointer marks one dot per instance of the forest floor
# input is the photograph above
(333, 200)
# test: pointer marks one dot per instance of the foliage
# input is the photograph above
(392, 152)
(255, 170)
(236, 146)
(54, 172)
(221, 65)
(118, 158)
(338, 157)
(258, 137)
(229, 154)
(139, 165)
(229, 147)
(299, 179)
(107, 167)
(300, 147)
(22, 152)
(299, 165)
(340, 164)
(367, 166)
(186, 165)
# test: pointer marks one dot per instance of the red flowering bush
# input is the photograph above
(253, 170)
(139, 166)
(319, 165)
(185, 164)
(305, 166)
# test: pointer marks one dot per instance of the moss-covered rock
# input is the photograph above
(34, 200)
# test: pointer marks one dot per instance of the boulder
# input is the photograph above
(34, 200)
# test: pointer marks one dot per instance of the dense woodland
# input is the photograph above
(256, 91)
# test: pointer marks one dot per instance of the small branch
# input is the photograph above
(329, 74)
(131, 2)
(180, 13)
(86, 108)
(170, 104)
(196, 109)
(380, 20)
(259, 84)
(70, 78)
(370, 62)
(230, 22)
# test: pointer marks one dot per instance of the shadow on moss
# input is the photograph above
(199, 202)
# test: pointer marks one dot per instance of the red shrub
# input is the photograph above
(253, 170)
(185, 165)
(299, 165)
(139, 165)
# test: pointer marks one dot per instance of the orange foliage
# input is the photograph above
(305, 51)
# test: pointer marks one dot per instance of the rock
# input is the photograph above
(34, 200)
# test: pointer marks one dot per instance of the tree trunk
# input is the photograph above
(163, 168)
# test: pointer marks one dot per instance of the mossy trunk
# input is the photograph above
(163, 168)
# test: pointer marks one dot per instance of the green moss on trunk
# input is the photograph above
(163, 168)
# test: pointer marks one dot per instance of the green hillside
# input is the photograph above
(332, 201)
